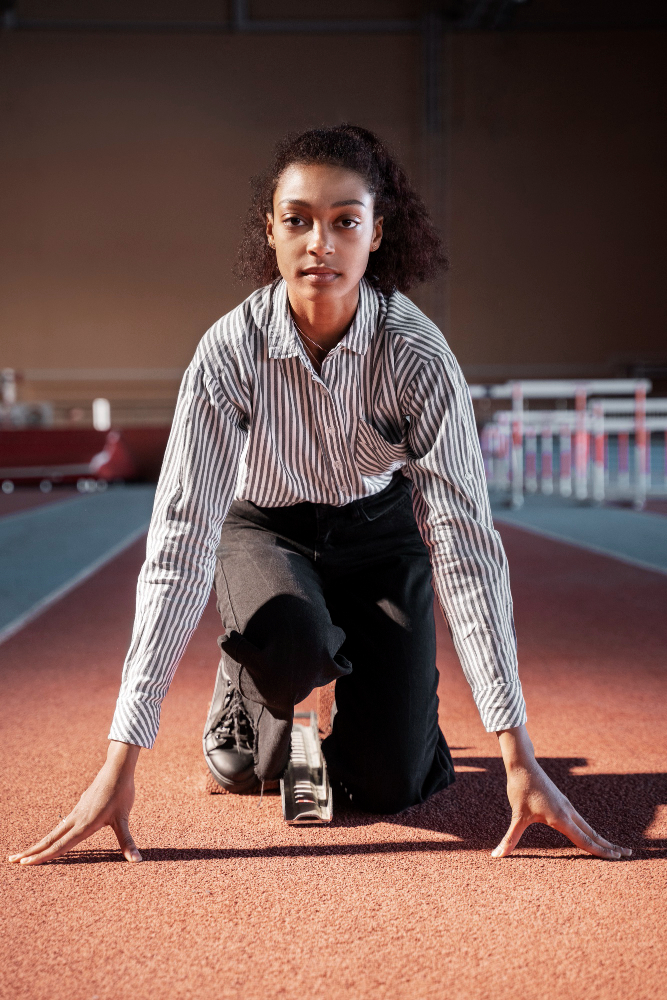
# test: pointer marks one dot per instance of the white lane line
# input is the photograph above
(18, 623)
(17, 515)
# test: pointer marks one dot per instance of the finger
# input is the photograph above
(57, 832)
(127, 845)
(583, 840)
(597, 837)
(511, 838)
(64, 844)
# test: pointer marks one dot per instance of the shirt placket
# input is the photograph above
(333, 433)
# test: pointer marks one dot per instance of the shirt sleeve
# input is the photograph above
(470, 570)
(196, 487)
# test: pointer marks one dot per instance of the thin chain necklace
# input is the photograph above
(325, 350)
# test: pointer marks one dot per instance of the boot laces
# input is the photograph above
(234, 727)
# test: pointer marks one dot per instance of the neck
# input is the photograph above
(326, 321)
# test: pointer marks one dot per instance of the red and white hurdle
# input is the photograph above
(510, 440)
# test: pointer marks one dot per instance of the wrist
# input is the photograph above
(516, 747)
(122, 757)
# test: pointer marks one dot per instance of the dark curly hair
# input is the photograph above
(411, 250)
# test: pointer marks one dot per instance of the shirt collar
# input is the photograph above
(275, 317)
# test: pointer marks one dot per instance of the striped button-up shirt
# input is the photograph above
(254, 421)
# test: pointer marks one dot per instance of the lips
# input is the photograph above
(320, 275)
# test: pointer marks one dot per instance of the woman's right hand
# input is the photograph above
(106, 802)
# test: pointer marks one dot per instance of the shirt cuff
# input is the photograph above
(501, 706)
(138, 724)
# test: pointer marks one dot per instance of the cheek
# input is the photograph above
(357, 247)
(364, 238)
(287, 249)
(290, 243)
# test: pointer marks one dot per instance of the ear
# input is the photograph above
(269, 230)
(377, 234)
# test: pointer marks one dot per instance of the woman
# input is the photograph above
(323, 468)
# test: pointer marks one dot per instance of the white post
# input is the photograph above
(531, 460)
(517, 446)
(623, 479)
(101, 414)
(8, 379)
(503, 473)
(598, 453)
(641, 464)
(581, 446)
(565, 461)
(547, 461)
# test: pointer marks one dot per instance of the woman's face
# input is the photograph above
(323, 230)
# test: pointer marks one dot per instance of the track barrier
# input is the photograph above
(87, 457)
(609, 444)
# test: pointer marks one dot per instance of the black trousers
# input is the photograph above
(313, 593)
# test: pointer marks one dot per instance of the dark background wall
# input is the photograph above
(126, 156)
(559, 211)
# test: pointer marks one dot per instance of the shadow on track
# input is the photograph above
(279, 851)
(474, 811)
(621, 807)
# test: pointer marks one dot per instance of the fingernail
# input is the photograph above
(495, 852)
(23, 861)
(136, 856)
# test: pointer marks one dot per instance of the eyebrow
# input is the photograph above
(336, 204)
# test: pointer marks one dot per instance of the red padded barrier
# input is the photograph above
(142, 448)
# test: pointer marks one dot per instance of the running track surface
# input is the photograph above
(232, 904)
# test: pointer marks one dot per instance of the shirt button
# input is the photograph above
(338, 465)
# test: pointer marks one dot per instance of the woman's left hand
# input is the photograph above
(535, 799)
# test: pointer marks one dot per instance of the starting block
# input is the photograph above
(304, 788)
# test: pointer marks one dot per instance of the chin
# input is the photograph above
(310, 291)
(339, 288)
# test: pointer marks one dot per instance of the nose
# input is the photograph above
(320, 243)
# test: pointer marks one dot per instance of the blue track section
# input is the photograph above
(46, 550)
(633, 536)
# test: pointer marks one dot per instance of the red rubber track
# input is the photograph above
(232, 904)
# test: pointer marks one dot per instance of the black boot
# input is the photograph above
(229, 739)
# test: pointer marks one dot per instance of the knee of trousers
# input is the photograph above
(280, 675)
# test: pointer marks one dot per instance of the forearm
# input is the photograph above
(472, 584)
(471, 579)
(195, 490)
(168, 611)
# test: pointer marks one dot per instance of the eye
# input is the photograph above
(293, 222)
(349, 223)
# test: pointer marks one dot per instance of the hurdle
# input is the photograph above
(622, 420)
(613, 454)
(518, 444)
